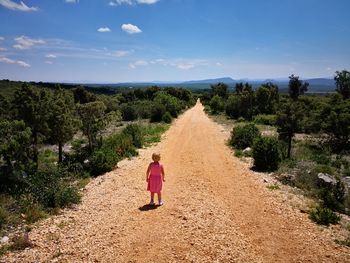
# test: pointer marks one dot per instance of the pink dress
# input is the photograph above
(155, 179)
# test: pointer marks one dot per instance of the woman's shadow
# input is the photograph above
(148, 207)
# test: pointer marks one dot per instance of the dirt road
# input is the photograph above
(216, 210)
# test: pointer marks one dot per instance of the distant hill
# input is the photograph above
(317, 85)
(226, 80)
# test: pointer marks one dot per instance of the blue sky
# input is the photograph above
(109, 41)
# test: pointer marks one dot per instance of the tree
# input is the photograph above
(93, 121)
(216, 104)
(239, 88)
(62, 122)
(32, 106)
(15, 142)
(296, 87)
(82, 96)
(342, 80)
(337, 123)
(220, 89)
(4, 108)
(267, 98)
(247, 102)
(233, 107)
(172, 104)
(289, 119)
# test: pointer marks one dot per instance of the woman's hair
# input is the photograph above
(156, 157)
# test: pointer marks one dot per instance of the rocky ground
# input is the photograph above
(216, 210)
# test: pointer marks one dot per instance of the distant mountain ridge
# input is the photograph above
(210, 81)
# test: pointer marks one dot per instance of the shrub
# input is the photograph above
(47, 185)
(129, 112)
(320, 168)
(167, 118)
(333, 196)
(217, 104)
(34, 212)
(157, 112)
(232, 107)
(20, 242)
(143, 109)
(324, 216)
(171, 104)
(121, 144)
(266, 154)
(136, 133)
(102, 160)
(242, 136)
(66, 196)
(265, 119)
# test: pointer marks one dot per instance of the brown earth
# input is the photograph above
(216, 210)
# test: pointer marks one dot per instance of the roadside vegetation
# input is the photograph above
(302, 138)
(54, 139)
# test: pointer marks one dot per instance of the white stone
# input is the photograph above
(327, 178)
(247, 150)
(4, 240)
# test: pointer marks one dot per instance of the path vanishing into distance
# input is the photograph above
(216, 210)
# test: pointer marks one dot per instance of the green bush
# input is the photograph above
(243, 136)
(121, 144)
(167, 118)
(129, 112)
(135, 131)
(34, 212)
(332, 196)
(47, 185)
(171, 104)
(324, 216)
(67, 195)
(320, 168)
(102, 161)
(265, 119)
(143, 109)
(217, 104)
(233, 107)
(157, 112)
(266, 154)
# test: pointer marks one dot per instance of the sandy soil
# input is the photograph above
(216, 210)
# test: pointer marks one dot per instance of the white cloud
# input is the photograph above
(103, 29)
(2, 38)
(17, 7)
(49, 62)
(2, 49)
(218, 64)
(51, 56)
(185, 66)
(120, 2)
(72, 1)
(132, 2)
(123, 53)
(148, 2)
(11, 61)
(131, 29)
(24, 42)
(138, 63)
